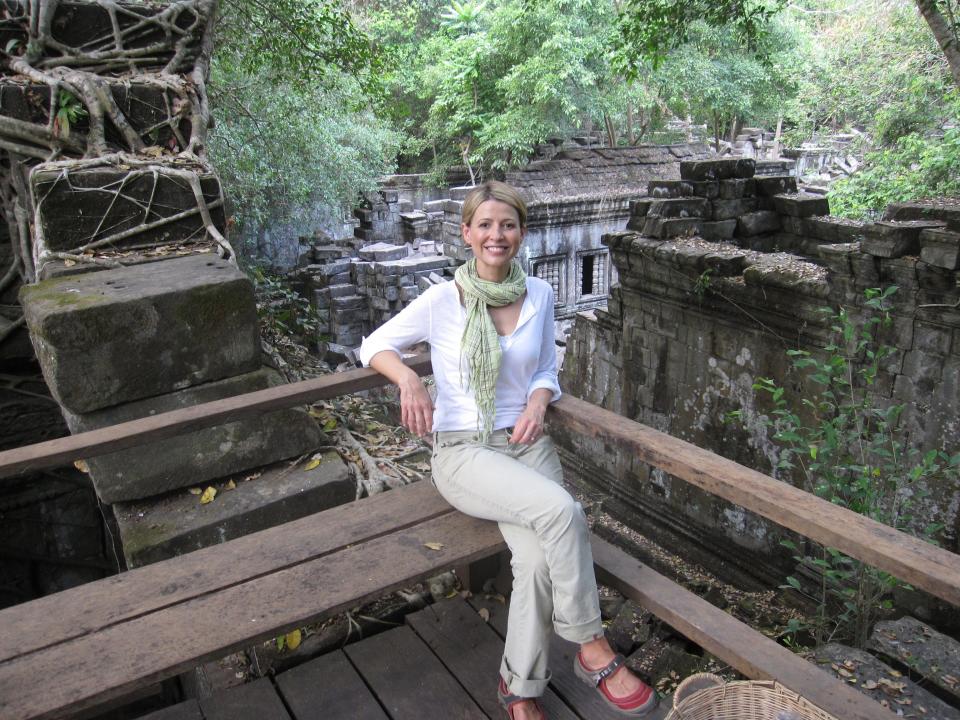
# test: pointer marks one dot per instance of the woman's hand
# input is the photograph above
(416, 407)
(529, 426)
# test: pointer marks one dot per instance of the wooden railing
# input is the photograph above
(91, 638)
(921, 564)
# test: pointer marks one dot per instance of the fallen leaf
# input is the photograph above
(869, 685)
(329, 425)
(293, 639)
(208, 495)
(69, 263)
(231, 485)
(195, 491)
(312, 464)
(484, 614)
(81, 465)
(434, 545)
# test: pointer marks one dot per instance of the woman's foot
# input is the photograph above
(519, 708)
(597, 663)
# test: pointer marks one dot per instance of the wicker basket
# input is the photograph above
(707, 697)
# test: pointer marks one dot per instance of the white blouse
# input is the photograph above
(529, 357)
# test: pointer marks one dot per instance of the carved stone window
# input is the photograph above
(553, 269)
(592, 275)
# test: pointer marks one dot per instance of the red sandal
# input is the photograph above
(509, 701)
(637, 704)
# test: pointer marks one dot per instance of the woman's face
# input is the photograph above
(494, 234)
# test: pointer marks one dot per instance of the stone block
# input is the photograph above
(143, 104)
(801, 204)
(837, 256)
(735, 188)
(755, 223)
(349, 302)
(940, 247)
(895, 238)
(115, 336)
(717, 169)
(408, 293)
(391, 293)
(176, 523)
(945, 210)
(682, 188)
(432, 206)
(330, 269)
(86, 207)
(639, 208)
(726, 264)
(678, 227)
(457, 252)
(379, 252)
(823, 229)
(424, 284)
(419, 263)
(201, 455)
(680, 208)
(775, 185)
(719, 230)
(730, 209)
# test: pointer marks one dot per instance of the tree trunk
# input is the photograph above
(716, 132)
(611, 131)
(630, 140)
(776, 138)
(945, 35)
(734, 128)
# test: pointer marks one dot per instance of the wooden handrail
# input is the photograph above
(925, 566)
(65, 450)
(919, 563)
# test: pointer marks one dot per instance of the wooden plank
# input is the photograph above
(64, 451)
(919, 563)
(583, 699)
(471, 650)
(751, 653)
(91, 607)
(187, 710)
(93, 668)
(408, 679)
(328, 688)
(257, 700)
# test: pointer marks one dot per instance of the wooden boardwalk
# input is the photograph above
(442, 663)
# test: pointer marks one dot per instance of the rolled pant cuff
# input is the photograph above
(581, 633)
(523, 687)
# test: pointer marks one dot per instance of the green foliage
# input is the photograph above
(489, 82)
(874, 65)
(298, 42)
(917, 166)
(279, 148)
(649, 29)
(712, 79)
(283, 312)
(847, 447)
(69, 111)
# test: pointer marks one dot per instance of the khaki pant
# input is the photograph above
(554, 586)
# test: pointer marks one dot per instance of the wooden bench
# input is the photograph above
(82, 647)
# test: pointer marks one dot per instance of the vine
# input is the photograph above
(74, 89)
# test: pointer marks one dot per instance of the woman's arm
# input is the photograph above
(381, 351)
(416, 407)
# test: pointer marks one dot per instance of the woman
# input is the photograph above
(491, 336)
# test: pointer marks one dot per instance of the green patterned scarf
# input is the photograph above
(480, 344)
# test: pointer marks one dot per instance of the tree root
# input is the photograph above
(375, 480)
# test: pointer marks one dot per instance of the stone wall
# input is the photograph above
(693, 323)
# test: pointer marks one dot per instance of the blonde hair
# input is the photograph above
(493, 190)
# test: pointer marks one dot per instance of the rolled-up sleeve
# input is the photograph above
(411, 326)
(546, 373)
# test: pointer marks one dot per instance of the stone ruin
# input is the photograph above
(130, 290)
(408, 237)
(720, 273)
